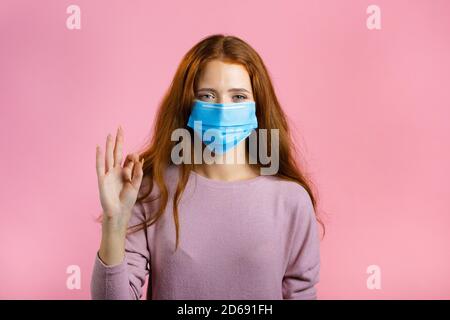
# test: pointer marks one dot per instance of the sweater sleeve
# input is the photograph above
(124, 281)
(303, 267)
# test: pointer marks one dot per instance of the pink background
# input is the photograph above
(370, 108)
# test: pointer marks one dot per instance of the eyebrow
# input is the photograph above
(232, 89)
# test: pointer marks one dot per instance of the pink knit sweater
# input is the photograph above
(248, 239)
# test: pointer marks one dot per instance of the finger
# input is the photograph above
(127, 170)
(131, 157)
(109, 153)
(118, 147)
(135, 157)
(137, 174)
(100, 162)
(127, 159)
(129, 165)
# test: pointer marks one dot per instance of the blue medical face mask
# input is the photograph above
(230, 123)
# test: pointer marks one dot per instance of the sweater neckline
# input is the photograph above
(225, 184)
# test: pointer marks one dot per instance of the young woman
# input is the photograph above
(208, 230)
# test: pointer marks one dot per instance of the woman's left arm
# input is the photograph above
(302, 273)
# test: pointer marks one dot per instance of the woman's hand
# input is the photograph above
(118, 186)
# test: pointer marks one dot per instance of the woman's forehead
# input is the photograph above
(224, 75)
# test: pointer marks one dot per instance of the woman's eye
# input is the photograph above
(206, 96)
(239, 97)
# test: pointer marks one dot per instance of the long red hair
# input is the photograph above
(174, 111)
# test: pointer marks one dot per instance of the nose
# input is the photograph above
(224, 98)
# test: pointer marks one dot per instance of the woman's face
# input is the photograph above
(224, 82)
